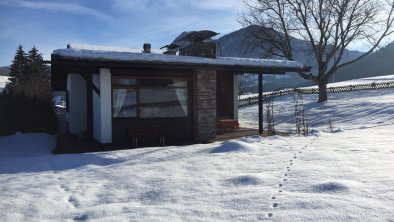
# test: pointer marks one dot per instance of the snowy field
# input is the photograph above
(342, 176)
(3, 82)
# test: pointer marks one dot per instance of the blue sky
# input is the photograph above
(52, 24)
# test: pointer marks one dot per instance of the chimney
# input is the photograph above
(147, 48)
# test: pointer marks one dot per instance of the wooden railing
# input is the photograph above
(366, 86)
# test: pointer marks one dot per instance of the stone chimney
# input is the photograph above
(147, 47)
(202, 49)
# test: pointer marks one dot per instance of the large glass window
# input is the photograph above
(149, 98)
(124, 98)
(163, 98)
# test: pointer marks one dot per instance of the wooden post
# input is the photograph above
(260, 103)
(89, 105)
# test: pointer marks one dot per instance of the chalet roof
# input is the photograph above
(77, 52)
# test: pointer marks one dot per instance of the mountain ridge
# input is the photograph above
(239, 44)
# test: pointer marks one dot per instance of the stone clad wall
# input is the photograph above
(204, 104)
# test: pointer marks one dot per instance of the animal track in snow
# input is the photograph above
(72, 200)
(270, 214)
(83, 217)
(275, 205)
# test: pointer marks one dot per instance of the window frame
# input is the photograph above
(137, 87)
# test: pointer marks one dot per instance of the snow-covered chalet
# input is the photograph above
(115, 95)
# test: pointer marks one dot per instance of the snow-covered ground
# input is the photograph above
(3, 82)
(343, 176)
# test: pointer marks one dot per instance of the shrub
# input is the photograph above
(26, 114)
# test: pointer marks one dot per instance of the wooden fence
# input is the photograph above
(367, 86)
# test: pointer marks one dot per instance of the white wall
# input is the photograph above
(96, 110)
(105, 106)
(76, 87)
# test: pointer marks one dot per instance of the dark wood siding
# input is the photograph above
(225, 95)
(175, 130)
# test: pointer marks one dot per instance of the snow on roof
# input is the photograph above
(128, 55)
(77, 46)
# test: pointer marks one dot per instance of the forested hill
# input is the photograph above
(378, 63)
(4, 71)
(238, 44)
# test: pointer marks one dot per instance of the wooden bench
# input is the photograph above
(224, 124)
(140, 133)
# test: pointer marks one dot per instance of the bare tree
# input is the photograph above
(329, 27)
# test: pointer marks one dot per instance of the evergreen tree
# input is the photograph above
(36, 63)
(28, 75)
(18, 69)
(26, 105)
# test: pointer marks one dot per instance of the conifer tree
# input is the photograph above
(18, 68)
(36, 63)
(28, 75)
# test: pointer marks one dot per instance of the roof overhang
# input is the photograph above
(129, 59)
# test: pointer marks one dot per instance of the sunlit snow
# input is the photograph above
(343, 176)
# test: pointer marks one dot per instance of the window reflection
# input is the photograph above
(124, 103)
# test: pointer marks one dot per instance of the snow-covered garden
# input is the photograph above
(343, 176)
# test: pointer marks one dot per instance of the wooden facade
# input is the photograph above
(181, 98)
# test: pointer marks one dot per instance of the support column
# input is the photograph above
(204, 104)
(260, 103)
(89, 106)
(235, 96)
(105, 106)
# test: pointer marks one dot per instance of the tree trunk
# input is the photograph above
(322, 91)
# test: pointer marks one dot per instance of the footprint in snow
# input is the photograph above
(280, 185)
(273, 198)
(83, 217)
(270, 214)
(72, 200)
(284, 179)
(275, 205)
(65, 187)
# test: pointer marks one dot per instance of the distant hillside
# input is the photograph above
(238, 44)
(4, 71)
(376, 64)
